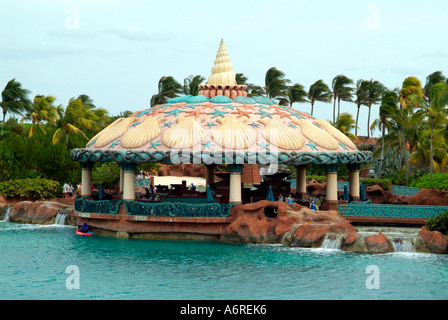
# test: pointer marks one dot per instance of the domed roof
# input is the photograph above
(215, 127)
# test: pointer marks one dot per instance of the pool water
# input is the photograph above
(52, 262)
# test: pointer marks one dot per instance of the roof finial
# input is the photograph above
(222, 71)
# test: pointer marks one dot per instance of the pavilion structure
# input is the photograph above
(222, 125)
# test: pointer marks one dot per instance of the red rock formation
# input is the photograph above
(38, 212)
(434, 241)
(378, 244)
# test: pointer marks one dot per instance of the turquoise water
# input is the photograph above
(34, 259)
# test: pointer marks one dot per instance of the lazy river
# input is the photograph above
(52, 262)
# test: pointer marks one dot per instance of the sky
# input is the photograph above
(116, 51)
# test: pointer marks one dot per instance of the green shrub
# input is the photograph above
(438, 181)
(385, 184)
(32, 188)
(438, 223)
(320, 179)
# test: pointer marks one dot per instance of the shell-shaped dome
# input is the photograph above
(221, 99)
(338, 135)
(316, 134)
(233, 134)
(143, 133)
(186, 134)
(114, 132)
(282, 136)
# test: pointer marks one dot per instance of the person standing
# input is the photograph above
(64, 190)
(70, 191)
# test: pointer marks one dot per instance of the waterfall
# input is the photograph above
(332, 241)
(60, 218)
(6, 214)
(403, 244)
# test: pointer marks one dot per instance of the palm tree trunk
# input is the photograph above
(312, 107)
(66, 139)
(368, 123)
(357, 118)
(380, 169)
(339, 106)
(431, 161)
(3, 123)
(403, 143)
(334, 109)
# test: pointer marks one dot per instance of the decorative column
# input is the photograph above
(332, 183)
(121, 179)
(86, 179)
(301, 181)
(128, 180)
(210, 178)
(235, 183)
(354, 170)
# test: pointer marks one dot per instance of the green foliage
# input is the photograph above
(438, 181)
(107, 173)
(385, 184)
(320, 179)
(33, 188)
(438, 223)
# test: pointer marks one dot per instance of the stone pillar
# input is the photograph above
(210, 178)
(301, 181)
(86, 179)
(121, 179)
(236, 171)
(354, 181)
(128, 180)
(332, 183)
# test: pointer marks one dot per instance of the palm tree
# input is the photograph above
(319, 91)
(41, 110)
(361, 98)
(14, 99)
(411, 87)
(74, 119)
(345, 123)
(252, 90)
(191, 85)
(433, 78)
(434, 109)
(275, 84)
(374, 93)
(168, 88)
(341, 91)
(296, 93)
(388, 109)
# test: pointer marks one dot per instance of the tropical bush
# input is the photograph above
(438, 223)
(320, 179)
(31, 188)
(438, 181)
(385, 184)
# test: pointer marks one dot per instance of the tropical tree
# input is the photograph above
(191, 85)
(41, 110)
(434, 109)
(75, 118)
(341, 91)
(374, 93)
(388, 110)
(275, 84)
(14, 99)
(252, 89)
(433, 78)
(411, 87)
(345, 123)
(361, 98)
(167, 88)
(319, 91)
(296, 93)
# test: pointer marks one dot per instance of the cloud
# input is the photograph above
(133, 33)
(38, 50)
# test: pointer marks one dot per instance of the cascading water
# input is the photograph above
(332, 241)
(402, 245)
(60, 218)
(402, 239)
(6, 214)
